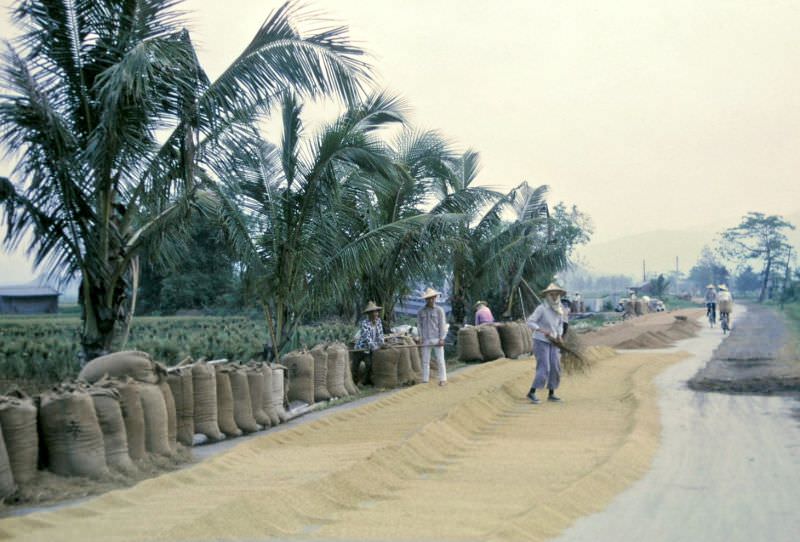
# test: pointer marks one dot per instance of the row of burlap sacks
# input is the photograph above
(326, 372)
(125, 407)
(637, 307)
(319, 374)
(488, 342)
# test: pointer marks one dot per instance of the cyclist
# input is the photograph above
(725, 302)
(711, 304)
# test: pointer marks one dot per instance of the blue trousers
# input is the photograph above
(548, 365)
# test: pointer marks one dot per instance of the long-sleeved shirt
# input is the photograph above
(432, 323)
(711, 296)
(483, 316)
(371, 336)
(544, 317)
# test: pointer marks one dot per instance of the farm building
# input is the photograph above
(28, 300)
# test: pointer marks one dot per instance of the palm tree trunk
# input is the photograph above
(97, 320)
(458, 312)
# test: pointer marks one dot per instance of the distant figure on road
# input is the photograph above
(711, 302)
(432, 326)
(725, 303)
(483, 314)
(549, 323)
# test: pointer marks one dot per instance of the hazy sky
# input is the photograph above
(646, 114)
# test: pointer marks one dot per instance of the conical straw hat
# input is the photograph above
(429, 292)
(371, 306)
(553, 287)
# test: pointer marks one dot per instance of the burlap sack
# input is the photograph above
(115, 440)
(269, 406)
(133, 363)
(320, 356)
(172, 416)
(416, 359)
(510, 339)
(242, 403)
(725, 305)
(7, 485)
(638, 307)
(132, 415)
(225, 416)
(349, 382)
(300, 364)
(405, 373)
(278, 396)
(180, 382)
(204, 390)
(156, 438)
(255, 381)
(468, 346)
(18, 420)
(384, 367)
(489, 340)
(71, 432)
(527, 338)
(337, 364)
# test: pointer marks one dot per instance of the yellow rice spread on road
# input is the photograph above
(474, 460)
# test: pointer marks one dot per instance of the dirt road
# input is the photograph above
(728, 467)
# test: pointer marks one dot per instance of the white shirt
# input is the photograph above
(544, 317)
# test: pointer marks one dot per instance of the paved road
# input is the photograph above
(728, 468)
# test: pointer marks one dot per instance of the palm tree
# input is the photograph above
(92, 88)
(419, 159)
(289, 211)
(500, 246)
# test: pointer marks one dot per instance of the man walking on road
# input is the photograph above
(432, 330)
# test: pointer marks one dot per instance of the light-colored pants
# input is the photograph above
(427, 346)
(548, 365)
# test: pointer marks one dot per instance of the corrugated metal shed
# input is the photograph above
(28, 299)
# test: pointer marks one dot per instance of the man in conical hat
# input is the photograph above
(549, 323)
(432, 326)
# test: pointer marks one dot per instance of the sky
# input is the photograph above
(647, 115)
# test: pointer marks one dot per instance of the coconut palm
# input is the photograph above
(291, 210)
(500, 246)
(117, 129)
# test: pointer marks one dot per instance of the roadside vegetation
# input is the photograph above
(168, 194)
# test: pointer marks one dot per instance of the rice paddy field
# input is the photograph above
(36, 351)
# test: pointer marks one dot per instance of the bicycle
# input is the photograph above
(711, 312)
(724, 322)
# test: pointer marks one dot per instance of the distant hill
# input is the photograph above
(658, 249)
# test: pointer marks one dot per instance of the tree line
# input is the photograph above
(128, 157)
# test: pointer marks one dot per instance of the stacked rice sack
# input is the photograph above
(125, 408)
(488, 342)
(397, 364)
(319, 374)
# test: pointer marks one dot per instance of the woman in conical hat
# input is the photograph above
(371, 335)
(549, 323)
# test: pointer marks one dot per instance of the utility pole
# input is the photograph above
(644, 272)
